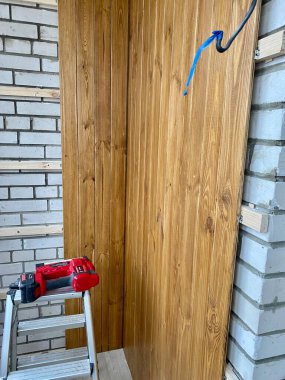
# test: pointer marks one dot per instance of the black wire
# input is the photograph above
(236, 33)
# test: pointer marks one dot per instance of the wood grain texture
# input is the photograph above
(94, 100)
(184, 178)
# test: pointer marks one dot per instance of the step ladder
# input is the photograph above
(77, 363)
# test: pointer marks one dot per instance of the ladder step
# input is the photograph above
(51, 357)
(70, 370)
(64, 322)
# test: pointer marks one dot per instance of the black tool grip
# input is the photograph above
(59, 283)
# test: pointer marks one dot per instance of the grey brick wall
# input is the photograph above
(257, 332)
(29, 130)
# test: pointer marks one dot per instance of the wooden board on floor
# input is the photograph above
(184, 179)
(113, 366)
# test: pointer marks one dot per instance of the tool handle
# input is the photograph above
(59, 283)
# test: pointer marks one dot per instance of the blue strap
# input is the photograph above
(216, 34)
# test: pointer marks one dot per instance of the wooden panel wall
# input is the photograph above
(184, 177)
(93, 40)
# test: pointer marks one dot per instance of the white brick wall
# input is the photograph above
(30, 130)
(257, 334)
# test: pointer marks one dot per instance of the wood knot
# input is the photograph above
(209, 225)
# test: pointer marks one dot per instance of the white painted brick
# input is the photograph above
(45, 335)
(37, 138)
(50, 65)
(16, 122)
(1, 44)
(45, 48)
(1, 122)
(15, 29)
(7, 107)
(22, 179)
(7, 280)
(58, 124)
(48, 311)
(36, 79)
(276, 228)
(46, 192)
(10, 268)
(10, 220)
(264, 193)
(30, 266)
(38, 16)
(21, 192)
(44, 109)
(42, 218)
(8, 137)
(53, 152)
(60, 253)
(4, 11)
(5, 257)
(3, 193)
(269, 88)
(10, 244)
(55, 204)
(48, 33)
(267, 124)
(46, 254)
(60, 191)
(57, 343)
(31, 313)
(6, 77)
(44, 242)
(33, 347)
(44, 124)
(24, 205)
(8, 61)
(268, 160)
(272, 16)
(21, 152)
(54, 179)
(27, 255)
(18, 46)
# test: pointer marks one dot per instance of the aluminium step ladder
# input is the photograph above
(64, 364)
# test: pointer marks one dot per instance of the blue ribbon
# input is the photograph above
(216, 35)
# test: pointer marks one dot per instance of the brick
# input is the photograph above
(6, 77)
(10, 268)
(37, 138)
(4, 11)
(60, 191)
(57, 343)
(46, 192)
(9, 220)
(1, 122)
(8, 61)
(21, 152)
(45, 335)
(267, 124)
(27, 255)
(269, 88)
(16, 122)
(7, 107)
(42, 345)
(44, 109)
(36, 79)
(53, 152)
(45, 48)
(7, 280)
(38, 16)
(55, 204)
(10, 244)
(54, 179)
(46, 254)
(3, 193)
(50, 65)
(5, 257)
(44, 124)
(48, 33)
(48, 311)
(21, 192)
(267, 160)
(272, 16)
(17, 46)
(60, 253)
(22, 179)
(8, 137)
(44, 242)
(42, 218)
(23, 205)
(1, 44)
(14, 29)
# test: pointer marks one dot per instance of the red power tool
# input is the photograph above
(78, 273)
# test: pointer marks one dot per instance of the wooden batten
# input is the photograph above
(271, 46)
(30, 165)
(254, 219)
(30, 92)
(47, 3)
(229, 373)
(38, 230)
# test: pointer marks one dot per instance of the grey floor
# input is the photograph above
(113, 366)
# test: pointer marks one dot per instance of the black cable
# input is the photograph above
(219, 47)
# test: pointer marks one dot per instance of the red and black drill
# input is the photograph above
(79, 273)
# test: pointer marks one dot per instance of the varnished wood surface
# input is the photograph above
(184, 178)
(93, 66)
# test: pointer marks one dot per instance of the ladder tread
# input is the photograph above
(63, 322)
(70, 370)
(51, 357)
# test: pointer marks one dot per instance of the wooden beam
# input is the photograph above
(34, 92)
(39, 230)
(229, 373)
(271, 46)
(30, 165)
(3, 294)
(254, 219)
